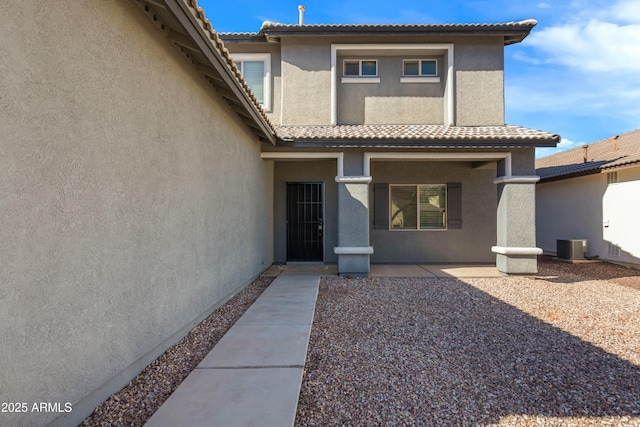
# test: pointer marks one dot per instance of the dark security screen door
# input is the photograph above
(304, 221)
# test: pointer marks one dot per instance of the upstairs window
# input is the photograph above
(420, 67)
(361, 68)
(255, 68)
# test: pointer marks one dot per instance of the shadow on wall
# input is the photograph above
(455, 355)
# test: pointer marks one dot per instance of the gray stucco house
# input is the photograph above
(592, 193)
(148, 172)
(392, 145)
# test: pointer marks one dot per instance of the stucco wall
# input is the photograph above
(306, 82)
(472, 243)
(305, 171)
(570, 209)
(390, 101)
(479, 67)
(132, 199)
(306, 85)
(579, 208)
(302, 83)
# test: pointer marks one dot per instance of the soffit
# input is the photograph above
(186, 26)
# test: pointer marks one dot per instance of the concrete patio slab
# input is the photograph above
(232, 397)
(260, 345)
(399, 270)
(462, 270)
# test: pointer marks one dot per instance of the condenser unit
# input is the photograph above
(572, 249)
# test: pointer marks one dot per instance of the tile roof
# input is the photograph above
(609, 153)
(513, 24)
(398, 134)
(514, 31)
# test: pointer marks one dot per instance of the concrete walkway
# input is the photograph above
(253, 375)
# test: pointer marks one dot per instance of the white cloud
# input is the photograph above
(626, 11)
(579, 77)
(544, 5)
(563, 145)
(595, 45)
(523, 57)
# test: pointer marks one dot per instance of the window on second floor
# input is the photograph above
(256, 71)
(420, 67)
(420, 71)
(360, 68)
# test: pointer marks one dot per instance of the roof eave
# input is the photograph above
(511, 34)
(405, 142)
(185, 31)
(568, 175)
(243, 38)
(593, 171)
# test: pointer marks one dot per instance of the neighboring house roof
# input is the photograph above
(513, 32)
(416, 135)
(185, 25)
(610, 153)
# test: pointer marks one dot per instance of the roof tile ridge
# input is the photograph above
(525, 22)
(217, 42)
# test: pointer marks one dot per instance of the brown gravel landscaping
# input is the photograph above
(558, 349)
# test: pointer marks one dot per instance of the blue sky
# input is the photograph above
(577, 74)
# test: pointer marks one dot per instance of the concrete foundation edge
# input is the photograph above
(353, 265)
(517, 264)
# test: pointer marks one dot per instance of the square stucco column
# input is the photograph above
(516, 251)
(353, 248)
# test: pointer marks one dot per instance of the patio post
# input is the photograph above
(353, 248)
(516, 251)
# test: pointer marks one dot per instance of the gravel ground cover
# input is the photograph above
(558, 349)
(134, 404)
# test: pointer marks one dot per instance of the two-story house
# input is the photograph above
(392, 143)
(142, 185)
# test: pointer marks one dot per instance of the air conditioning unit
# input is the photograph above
(571, 249)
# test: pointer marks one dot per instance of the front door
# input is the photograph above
(305, 221)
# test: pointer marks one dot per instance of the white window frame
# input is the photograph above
(266, 58)
(417, 187)
(420, 78)
(359, 78)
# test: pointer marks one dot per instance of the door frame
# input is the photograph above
(322, 239)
